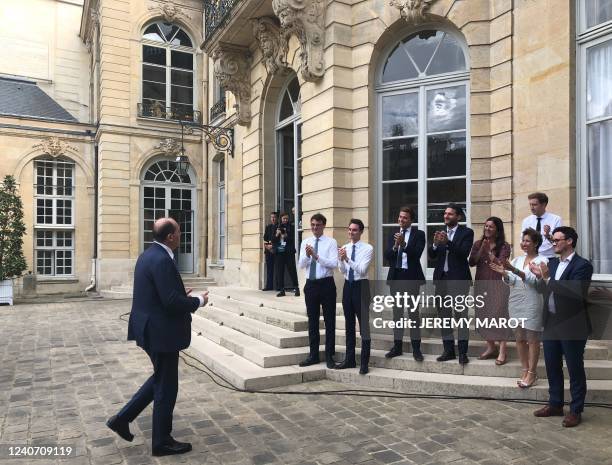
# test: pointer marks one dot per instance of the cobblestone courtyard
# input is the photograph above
(66, 367)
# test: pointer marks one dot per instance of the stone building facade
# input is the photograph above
(351, 108)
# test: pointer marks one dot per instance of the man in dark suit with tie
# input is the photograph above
(567, 325)
(269, 250)
(403, 253)
(452, 277)
(160, 323)
(283, 242)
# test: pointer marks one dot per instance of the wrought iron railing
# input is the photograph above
(156, 109)
(216, 14)
(217, 109)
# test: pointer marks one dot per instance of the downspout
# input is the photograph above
(93, 283)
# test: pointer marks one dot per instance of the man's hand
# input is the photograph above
(204, 297)
(547, 230)
(268, 247)
(342, 254)
(188, 290)
(398, 238)
(443, 238)
(309, 250)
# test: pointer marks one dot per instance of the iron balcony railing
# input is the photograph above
(216, 14)
(217, 109)
(156, 109)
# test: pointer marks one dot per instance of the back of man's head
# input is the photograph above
(162, 228)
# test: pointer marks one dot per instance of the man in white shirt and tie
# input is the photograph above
(542, 221)
(354, 261)
(318, 259)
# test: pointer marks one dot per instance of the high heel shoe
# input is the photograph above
(524, 385)
(520, 380)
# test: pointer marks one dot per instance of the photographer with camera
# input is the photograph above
(284, 249)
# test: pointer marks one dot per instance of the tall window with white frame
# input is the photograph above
(54, 217)
(423, 139)
(167, 72)
(221, 202)
(595, 77)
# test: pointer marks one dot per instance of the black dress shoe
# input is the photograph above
(463, 359)
(297, 292)
(346, 363)
(418, 355)
(309, 361)
(330, 362)
(172, 448)
(446, 355)
(281, 294)
(122, 428)
(394, 352)
(363, 370)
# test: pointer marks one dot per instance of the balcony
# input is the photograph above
(157, 110)
(217, 109)
(216, 14)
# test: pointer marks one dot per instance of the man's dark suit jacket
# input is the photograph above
(571, 318)
(458, 252)
(269, 233)
(414, 249)
(160, 320)
(290, 245)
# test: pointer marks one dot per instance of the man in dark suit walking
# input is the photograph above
(567, 325)
(283, 242)
(160, 323)
(269, 250)
(450, 250)
(403, 252)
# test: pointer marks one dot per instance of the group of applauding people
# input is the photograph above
(545, 288)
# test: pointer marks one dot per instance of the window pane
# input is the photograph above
(182, 60)
(400, 159)
(400, 115)
(44, 211)
(421, 47)
(182, 78)
(294, 89)
(448, 58)
(181, 39)
(395, 196)
(154, 91)
(600, 158)
(435, 212)
(399, 66)
(168, 29)
(446, 155)
(154, 74)
(153, 55)
(44, 262)
(599, 80)
(598, 11)
(286, 109)
(152, 33)
(44, 239)
(182, 94)
(445, 191)
(600, 235)
(446, 109)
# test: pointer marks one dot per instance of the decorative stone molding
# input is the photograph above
(169, 146)
(232, 70)
(413, 11)
(305, 19)
(54, 146)
(273, 43)
(170, 11)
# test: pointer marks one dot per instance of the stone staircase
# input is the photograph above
(124, 291)
(255, 341)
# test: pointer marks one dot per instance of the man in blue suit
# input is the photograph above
(403, 253)
(160, 323)
(567, 325)
(450, 249)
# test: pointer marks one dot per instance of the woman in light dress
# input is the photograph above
(525, 302)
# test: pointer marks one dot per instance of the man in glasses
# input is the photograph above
(318, 259)
(566, 282)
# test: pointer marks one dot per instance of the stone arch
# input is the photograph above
(71, 154)
(154, 154)
(151, 16)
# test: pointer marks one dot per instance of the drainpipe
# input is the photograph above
(93, 283)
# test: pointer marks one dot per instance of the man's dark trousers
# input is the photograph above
(355, 303)
(162, 389)
(573, 351)
(281, 261)
(321, 293)
(411, 288)
(446, 287)
(269, 271)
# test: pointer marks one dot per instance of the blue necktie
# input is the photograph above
(351, 271)
(312, 274)
(400, 252)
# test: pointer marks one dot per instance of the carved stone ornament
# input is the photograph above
(305, 19)
(170, 11)
(413, 11)
(54, 146)
(169, 146)
(273, 43)
(232, 70)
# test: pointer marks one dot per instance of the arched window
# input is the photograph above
(167, 72)
(423, 158)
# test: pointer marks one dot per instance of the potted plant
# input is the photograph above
(12, 230)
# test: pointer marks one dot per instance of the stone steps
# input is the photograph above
(125, 290)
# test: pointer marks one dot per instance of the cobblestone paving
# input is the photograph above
(66, 367)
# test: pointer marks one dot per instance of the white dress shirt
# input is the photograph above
(404, 254)
(328, 256)
(363, 257)
(450, 233)
(548, 219)
(169, 250)
(563, 264)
